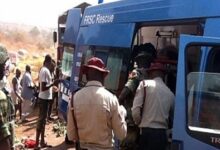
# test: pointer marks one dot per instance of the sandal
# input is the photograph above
(43, 145)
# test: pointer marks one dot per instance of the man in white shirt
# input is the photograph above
(45, 96)
(16, 93)
(152, 107)
(27, 92)
(97, 112)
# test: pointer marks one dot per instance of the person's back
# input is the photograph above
(151, 110)
(4, 104)
(94, 110)
(27, 92)
(4, 131)
(159, 100)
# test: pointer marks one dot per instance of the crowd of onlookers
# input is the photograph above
(24, 93)
(19, 97)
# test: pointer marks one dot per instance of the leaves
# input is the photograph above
(59, 128)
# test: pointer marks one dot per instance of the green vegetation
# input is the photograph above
(59, 128)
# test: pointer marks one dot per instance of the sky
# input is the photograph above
(37, 12)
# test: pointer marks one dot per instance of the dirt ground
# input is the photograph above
(28, 130)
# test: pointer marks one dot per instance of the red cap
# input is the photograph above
(156, 66)
(95, 63)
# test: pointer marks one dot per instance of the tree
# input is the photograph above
(34, 32)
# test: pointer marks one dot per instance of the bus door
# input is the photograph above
(197, 105)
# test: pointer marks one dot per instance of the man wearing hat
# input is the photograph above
(4, 103)
(152, 107)
(96, 111)
(143, 55)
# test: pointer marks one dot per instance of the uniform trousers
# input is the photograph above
(152, 139)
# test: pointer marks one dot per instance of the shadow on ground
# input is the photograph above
(62, 146)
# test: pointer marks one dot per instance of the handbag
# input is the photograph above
(77, 142)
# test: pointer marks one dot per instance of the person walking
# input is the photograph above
(45, 96)
(152, 109)
(16, 93)
(97, 115)
(5, 143)
(27, 93)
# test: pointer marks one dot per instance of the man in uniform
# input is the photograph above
(152, 109)
(145, 54)
(96, 113)
(4, 103)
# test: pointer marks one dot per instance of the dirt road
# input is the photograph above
(28, 130)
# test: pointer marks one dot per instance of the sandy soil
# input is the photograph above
(28, 130)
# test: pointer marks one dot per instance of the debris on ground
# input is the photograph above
(59, 128)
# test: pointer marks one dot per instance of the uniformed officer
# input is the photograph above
(145, 54)
(94, 113)
(5, 106)
(152, 108)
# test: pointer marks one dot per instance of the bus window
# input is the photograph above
(87, 54)
(114, 63)
(213, 65)
(115, 59)
(67, 61)
(203, 91)
(102, 55)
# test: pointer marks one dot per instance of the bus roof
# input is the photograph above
(113, 24)
(127, 11)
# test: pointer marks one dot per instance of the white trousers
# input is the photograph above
(26, 108)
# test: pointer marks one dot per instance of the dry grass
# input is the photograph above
(35, 64)
(36, 45)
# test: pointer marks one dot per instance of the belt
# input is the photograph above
(151, 129)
